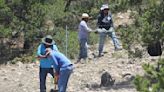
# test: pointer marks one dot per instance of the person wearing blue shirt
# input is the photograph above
(63, 67)
(45, 63)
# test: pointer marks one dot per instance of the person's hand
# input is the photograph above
(56, 74)
(48, 51)
(103, 30)
(96, 32)
(56, 78)
(90, 31)
(41, 56)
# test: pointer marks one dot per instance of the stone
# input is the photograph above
(5, 79)
(20, 85)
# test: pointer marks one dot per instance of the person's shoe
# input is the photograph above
(78, 61)
(94, 55)
(100, 55)
(85, 60)
(82, 61)
(118, 49)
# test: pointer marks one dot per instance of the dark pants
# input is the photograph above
(43, 74)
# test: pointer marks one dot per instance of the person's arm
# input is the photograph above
(84, 24)
(99, 22)
(55, 63)
(112, 25)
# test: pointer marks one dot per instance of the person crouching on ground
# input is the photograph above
(83, 37)
(63, 67)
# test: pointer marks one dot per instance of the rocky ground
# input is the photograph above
(85, 78)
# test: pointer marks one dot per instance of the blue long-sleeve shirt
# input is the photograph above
(45, 62)
(60, 60)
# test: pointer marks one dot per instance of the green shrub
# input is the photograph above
(153, 81)
(72, 41)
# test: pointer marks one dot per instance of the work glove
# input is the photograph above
(99, 30)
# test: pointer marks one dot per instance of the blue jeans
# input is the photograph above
(102, 40)
(83, 48)
(42, 75)
(64, 77)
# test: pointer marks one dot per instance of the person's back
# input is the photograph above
(63, 67)
(61, 59)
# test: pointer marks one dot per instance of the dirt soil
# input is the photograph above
(85, 78)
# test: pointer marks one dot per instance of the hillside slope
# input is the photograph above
(85, 78)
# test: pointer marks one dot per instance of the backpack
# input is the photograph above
(154, 49)
(106, 80)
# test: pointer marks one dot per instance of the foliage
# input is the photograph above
(129, 35)
(30, 16)
(151, 23)
(131, 38)
(148, 27)
(23, 59)
(153, 81)
(71, 41)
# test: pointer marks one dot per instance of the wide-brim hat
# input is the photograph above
(48, 40)
(85, 15)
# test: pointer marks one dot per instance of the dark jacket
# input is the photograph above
(105, 21)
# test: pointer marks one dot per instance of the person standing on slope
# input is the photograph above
(105, 24)
(83, 37)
